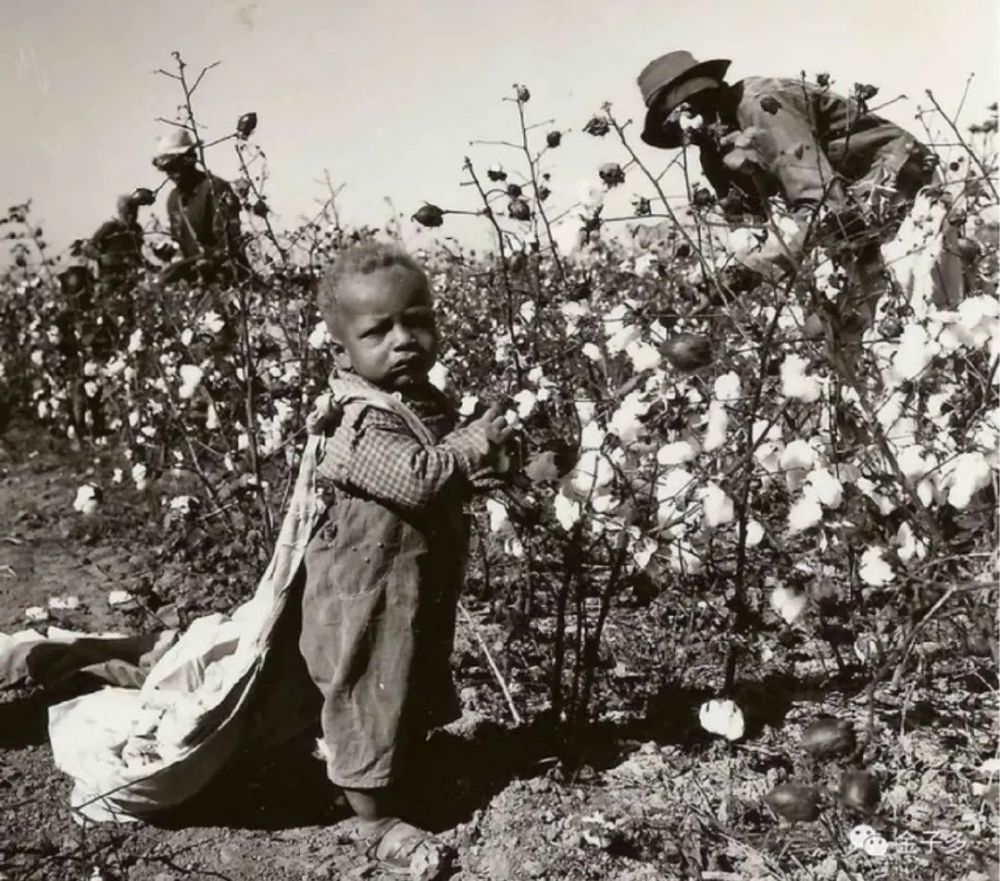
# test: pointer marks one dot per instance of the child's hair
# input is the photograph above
(361, 259)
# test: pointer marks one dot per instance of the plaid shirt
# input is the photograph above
(374, 454)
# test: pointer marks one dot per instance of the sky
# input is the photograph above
(385, 95)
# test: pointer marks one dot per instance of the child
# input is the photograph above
(385, 565)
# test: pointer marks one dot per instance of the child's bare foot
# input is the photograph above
(403, 849)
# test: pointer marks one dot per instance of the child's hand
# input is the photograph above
(499, 431)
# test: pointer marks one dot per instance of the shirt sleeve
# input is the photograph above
(375, 454)
(785, 139)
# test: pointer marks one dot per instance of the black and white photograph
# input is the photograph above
(499, 442)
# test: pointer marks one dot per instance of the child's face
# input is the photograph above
(386, 327)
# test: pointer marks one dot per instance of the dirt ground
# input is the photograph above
(648, 794)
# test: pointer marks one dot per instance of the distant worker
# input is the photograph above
(117, 244)
(782, 137)
(204, 214)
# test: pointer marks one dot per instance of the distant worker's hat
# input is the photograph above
(667, 82)
(172, 144)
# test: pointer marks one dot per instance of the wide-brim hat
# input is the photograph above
(668, 81)
(174, 143)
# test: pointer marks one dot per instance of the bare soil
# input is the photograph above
(645, 795)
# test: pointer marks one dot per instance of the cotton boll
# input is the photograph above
(536, 376)
(873, 569)
(717, 507)
(626, 421)
(914, 353)
(755, 533)
(927, 493)
(642, 552)
(526, 401)
(592, 436)
(184, 505)
(676, 453)
(966, 475)
(320, 336)
(795, 383)
(592, 473)
(885, 505)
(603, 502)
(727, 388)
(438, 377)
(592, 353)
(805, 514)
(798, 454)
(567, 510)
(136, 342)
(827, 490)
(768, 456)
(913, 463)
(788, 603)
(212, 417)
(979, 318)
(690, 122)
(618, 330)
(212, 323)
(87, 499)
(674, 485)
(722, 717)
(468, 405)
(718, 425)
(909, 546)
(573, 313)
(140, 476)
(643, 356)
(499, 518)
(643, 264)
(191, 376)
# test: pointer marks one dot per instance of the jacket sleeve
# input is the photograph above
(784, 138)
(374, 454)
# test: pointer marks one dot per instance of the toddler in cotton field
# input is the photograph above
(384, 567)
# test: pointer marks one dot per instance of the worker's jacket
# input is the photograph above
(205, 220)
(798, 141)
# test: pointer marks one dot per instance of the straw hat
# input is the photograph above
(175, 142)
